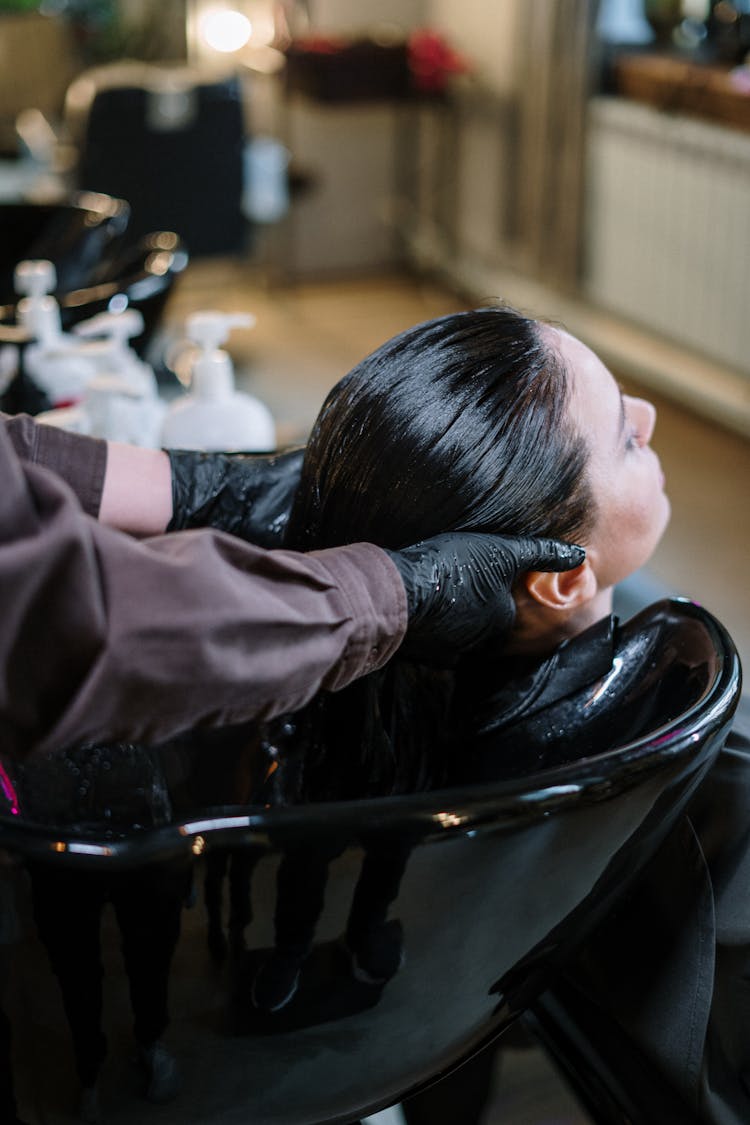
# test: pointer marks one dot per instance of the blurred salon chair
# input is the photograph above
(502, 882)
(170, 140)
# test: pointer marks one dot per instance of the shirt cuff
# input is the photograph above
(79, 460)
(371, 586)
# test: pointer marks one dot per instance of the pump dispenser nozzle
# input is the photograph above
(38, 311)
(213, 374)
(211, 329)
(214, 415)
(59, 364)
(117, 327)
(36, 277)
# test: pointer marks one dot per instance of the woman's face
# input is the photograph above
(624, 472)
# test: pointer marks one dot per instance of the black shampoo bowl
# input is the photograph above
(95, 257)
(482, 892)
(74, 235)
(99, 268)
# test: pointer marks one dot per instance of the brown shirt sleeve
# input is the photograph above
(81, 461)
(105, 637)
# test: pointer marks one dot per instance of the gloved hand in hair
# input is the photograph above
(459, 588)
(248, 495)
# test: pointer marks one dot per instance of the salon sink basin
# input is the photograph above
(99, 268)
(94, 254)
(491, 887)
(95, 260)
(74, 235)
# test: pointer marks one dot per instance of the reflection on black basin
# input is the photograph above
(76, 236)
(457, 903)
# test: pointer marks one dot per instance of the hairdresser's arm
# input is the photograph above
(148, 491)
(105, 637)
(137, 490)
(124, 486)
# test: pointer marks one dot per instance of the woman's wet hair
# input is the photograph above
(457, 423)
(460, 423)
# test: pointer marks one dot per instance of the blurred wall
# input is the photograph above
(353, 16)
(37, 61)
(485, 32)
(383, 177)
(505, 180)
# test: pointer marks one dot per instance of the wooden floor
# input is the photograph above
(308, 336)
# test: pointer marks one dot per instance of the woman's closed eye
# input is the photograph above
(633, 441)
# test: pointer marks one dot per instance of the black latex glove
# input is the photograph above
(248, 495)
(459, 588)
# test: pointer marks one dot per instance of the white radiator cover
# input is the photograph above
(668, 226)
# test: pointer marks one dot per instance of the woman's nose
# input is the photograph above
(644, 416)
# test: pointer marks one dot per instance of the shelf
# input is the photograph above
(684, 86)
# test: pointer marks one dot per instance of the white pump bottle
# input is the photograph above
(58, 363)
(121, 401)
(215, 417)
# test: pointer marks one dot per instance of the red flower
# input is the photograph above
(432, 61)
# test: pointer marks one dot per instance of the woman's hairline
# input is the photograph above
(548, 334)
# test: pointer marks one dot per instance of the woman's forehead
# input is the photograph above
(595, 399)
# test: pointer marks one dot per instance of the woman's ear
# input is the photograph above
(564, 590)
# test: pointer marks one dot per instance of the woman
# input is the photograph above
(493, 421)
(486, 420)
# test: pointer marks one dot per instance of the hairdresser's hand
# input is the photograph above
(459, 588)
(247, 495)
